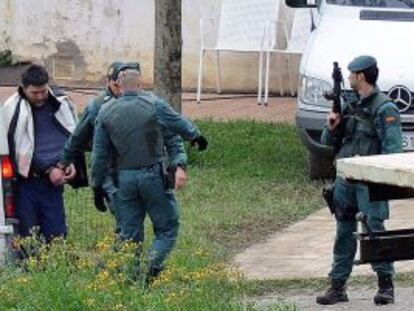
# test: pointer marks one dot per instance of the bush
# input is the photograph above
(6, 58)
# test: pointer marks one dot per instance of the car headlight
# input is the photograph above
(311, 91)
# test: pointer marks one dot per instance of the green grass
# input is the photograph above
(251, 182)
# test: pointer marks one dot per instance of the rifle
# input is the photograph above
(335, 96)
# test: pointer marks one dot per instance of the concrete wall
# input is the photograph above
(77, 39)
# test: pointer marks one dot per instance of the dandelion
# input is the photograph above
(171, 298)
(120, 306)
(22, 280)
(84, 263)
(112, 264)
(90, 302)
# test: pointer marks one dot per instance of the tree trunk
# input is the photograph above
(167, 54)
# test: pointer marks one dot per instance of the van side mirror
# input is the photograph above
(301, 3)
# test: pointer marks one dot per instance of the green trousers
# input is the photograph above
(142, 192)
(355, 195)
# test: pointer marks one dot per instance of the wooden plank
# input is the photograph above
(392, 169)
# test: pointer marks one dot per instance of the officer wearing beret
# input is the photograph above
(368, 126)
(81, 140)
(134, 128)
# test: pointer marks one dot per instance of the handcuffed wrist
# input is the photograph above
(183, 166)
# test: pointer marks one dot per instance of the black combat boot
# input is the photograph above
(153, 273)
(336, 293)
(385, 293)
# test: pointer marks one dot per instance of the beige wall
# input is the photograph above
(77, 39)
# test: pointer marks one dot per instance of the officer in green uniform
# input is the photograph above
(366, 127)
(81, 140)
(134, 129)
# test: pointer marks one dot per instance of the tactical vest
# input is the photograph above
(134, 132)
(360, 135)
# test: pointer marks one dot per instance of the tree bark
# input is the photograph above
(167, 53)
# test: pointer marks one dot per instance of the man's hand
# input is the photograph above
(180, 178)
(57, 176)
(333, 121)
(201, 142)
(99, 196)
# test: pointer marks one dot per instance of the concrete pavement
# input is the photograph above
(304, 250)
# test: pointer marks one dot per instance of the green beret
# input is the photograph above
(113, 70)
(361, 63)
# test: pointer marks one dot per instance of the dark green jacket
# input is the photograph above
(81, 139)
(119, 128)
(371, 126)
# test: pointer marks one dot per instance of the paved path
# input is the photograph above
(213, 106)
(304, 250)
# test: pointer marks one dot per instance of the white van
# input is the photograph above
(342, 30)
(7, 207)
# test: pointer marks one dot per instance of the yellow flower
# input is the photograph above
(120, 306)
(112, 264)
(22, 280)
(90, 301)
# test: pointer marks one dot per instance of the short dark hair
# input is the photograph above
(35, 75)
(371, 74)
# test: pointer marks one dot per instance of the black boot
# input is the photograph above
(152, 274)
(385, 293)
(336, 293)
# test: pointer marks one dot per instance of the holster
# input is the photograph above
(341, 211)
(344, 212)
(328, 195)
(169, 176)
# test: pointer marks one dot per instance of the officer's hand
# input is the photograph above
(180, 178)
(201, 142)
(70, 172)
(99, 196)
(333, 121)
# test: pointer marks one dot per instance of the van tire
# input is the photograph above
(320, 167)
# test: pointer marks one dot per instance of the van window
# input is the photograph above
(400, 4)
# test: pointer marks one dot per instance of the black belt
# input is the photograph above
(33, 173)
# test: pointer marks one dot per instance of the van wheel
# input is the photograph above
(320, 167)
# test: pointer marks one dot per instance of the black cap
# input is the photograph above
(126, 66)
(113, 70)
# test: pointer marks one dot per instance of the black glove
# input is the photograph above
(201, 142)
(99, 196)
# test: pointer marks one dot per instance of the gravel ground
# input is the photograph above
(360, 299)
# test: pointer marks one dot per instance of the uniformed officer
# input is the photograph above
(133, 128)
(81, 140)
(366, 127)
